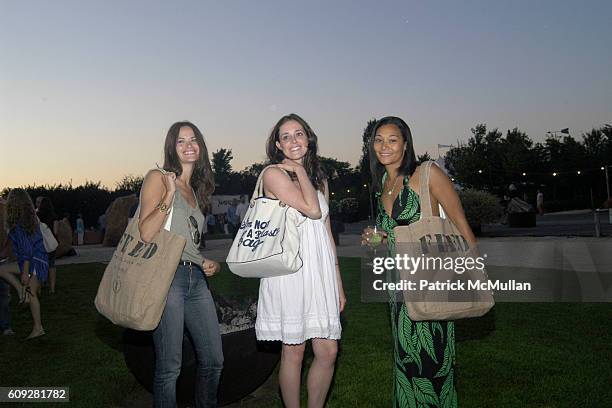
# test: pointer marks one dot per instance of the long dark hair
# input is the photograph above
(20, 211)
(46, 212)
(202, 180)
(311, 160)
(409, 162)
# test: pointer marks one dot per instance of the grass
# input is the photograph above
(80, 350)
(519, 355)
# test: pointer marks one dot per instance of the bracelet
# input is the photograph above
(163, 207)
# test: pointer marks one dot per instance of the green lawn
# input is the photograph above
(519, 355)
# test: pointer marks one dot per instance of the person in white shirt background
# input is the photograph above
(242, 207)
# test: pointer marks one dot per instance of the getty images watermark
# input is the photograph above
(515, 269)
(442, 266)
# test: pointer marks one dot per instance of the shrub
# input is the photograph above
(480, 207)
(349, 209)
(334, 208)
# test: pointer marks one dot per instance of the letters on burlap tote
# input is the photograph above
(268, 241)
(135, 284)
(443, 252)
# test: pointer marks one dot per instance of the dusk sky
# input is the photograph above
(88, 89)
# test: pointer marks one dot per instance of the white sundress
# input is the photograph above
(304, 305)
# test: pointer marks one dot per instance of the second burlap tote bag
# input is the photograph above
(135, 284)
(430, 237)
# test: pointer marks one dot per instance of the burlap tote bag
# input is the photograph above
(268, 241)
(443, 252)
(135, 284)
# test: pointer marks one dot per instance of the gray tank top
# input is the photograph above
(182, 226)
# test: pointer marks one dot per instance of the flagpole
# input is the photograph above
(371, 204)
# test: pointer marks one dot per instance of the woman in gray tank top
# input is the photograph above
(186, 187)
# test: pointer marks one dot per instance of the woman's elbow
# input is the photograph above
(146, 239)
(145, 236)
(314, 213)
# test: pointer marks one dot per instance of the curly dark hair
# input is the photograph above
(202, 180)
(311, 160)
(20, 211)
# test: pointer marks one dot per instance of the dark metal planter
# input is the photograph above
(247, 364)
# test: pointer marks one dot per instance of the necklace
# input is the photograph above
(389, 192)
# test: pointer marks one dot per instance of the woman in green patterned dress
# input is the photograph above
(424, 351)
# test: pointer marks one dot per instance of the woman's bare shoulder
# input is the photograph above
(274, 174)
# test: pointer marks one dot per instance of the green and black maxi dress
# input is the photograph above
(424, 352)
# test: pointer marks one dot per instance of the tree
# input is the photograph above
(363, 169)
(518, 156)
(344, 184)
(567, 169)
(423, 157)
(597, 146)
(255, 169)
(129, 184)
(335, 169)
(249, 175)
(221, 161)
(364, 162)
(489, 161)
(222, 169)
(473, 163)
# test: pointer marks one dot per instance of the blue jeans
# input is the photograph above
(191, 306)
(5, 311)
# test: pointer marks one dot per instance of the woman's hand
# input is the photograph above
(341, 298)
(290, 166)
(169, 179)
(367, 233)
(210, 267)
(25, 278)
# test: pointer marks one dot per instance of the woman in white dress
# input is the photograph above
(305, 305)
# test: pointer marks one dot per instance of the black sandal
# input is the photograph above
(22, 295)
(27, 295)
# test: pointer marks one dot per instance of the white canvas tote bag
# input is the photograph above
(268, 241)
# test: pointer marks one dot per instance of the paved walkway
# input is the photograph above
(507, 250)
(566, 223)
